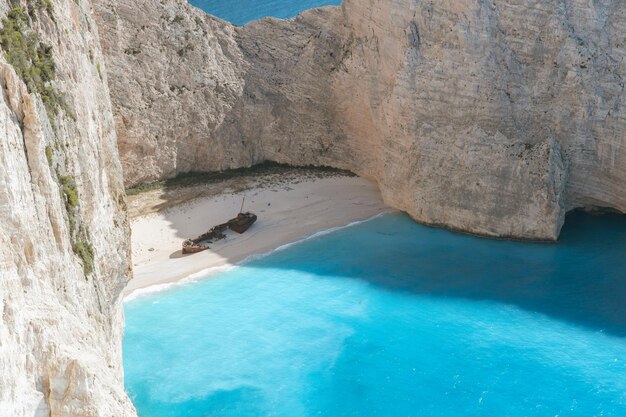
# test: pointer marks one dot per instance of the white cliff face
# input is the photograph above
(494, 117)
(491, 117)
(60, 318)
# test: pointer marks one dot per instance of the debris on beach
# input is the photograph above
(202, 242)
(239, 224)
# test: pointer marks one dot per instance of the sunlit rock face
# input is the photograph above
(64, 251)
(490, 117)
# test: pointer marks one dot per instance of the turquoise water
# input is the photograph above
(240, 12)
(390, 318)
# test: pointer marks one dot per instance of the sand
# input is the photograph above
(287, 212)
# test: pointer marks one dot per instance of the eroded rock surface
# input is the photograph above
(191, 76)
(491, 117)
(64, 236)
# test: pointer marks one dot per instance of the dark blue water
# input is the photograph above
(390, 318)
(240, 12)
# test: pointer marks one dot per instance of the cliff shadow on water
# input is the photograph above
(579, 280)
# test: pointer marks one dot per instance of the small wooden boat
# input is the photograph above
(242, 222)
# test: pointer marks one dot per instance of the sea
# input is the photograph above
(391, 318)
(240, 12)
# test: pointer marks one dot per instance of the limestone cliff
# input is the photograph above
(64, 238)
(492, 117)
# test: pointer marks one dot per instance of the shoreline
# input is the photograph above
(289, 211)
(208, 272)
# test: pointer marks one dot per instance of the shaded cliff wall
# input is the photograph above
(64, 236)
(178, 72)
(491, 117)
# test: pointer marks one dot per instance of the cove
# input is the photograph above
(240, 12)
(391, 318)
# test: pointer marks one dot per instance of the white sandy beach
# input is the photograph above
(286, 213)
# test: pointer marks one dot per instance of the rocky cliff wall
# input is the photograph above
(183, 73)
(491, 117)
(64, 236)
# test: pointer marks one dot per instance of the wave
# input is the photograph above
(197, 276)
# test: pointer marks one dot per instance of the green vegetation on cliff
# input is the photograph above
(85, 252)
(79, 234)
(68, 185)
(31, 58)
